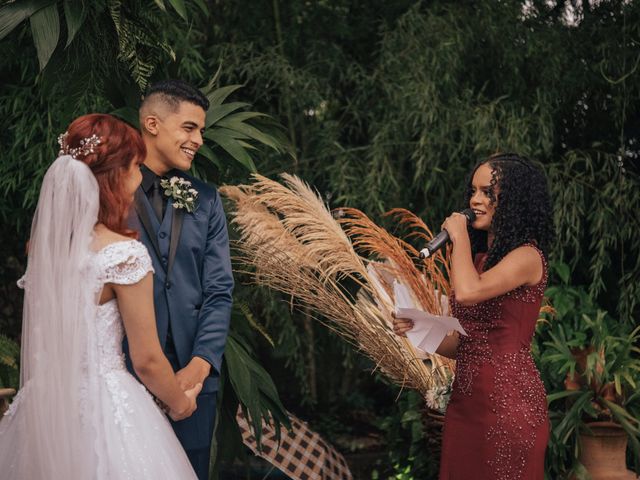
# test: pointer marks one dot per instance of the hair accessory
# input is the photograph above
(86, 147)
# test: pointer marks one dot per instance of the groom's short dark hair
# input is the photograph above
(172, 92)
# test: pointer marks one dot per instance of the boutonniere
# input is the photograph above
(182, 193)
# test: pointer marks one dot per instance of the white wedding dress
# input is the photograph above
(129, 436)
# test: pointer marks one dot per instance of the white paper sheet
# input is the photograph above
(428, 330)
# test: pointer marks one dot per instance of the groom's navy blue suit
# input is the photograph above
(193, 286)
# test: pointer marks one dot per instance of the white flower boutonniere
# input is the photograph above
(183, 194)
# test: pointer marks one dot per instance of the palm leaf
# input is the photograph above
(45, 27)
(217, 112)
(233, 123)
(14, 13)
(228, 127)
(207, 153)
(203, 6)
(253, 387)
(74, 14)
(232, 147)
(179, 7)
(216, 97)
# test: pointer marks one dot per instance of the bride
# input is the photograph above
(79, 414)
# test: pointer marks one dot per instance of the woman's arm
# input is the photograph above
(521, 266)
(136, 307)
(449, 346)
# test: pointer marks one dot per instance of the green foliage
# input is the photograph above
(28, 139)
(244, 384)
(9, 360)
(386, 104)
(137, 27)
(141, 45)
(227, 125)
(590, 363)
(45, 27)
(572, 304)
(396, 111)
(596, 211)
(409, 453)
(13, 14)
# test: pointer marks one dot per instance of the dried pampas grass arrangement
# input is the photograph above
(341, 269)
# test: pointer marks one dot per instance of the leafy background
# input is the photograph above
(377, 104)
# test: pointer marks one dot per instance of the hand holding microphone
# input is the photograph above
(443, 237)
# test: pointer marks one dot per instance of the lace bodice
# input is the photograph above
(124, 263)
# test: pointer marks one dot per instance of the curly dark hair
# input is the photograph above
(523, 210)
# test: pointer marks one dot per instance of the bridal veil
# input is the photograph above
(46, 433)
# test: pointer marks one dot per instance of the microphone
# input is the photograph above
(442, 238)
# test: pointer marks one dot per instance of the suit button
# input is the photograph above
(167, 285)
(164, 260)
(162, 235)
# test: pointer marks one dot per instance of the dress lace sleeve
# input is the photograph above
(125, 263)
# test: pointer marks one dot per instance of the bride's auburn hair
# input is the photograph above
(120, 145)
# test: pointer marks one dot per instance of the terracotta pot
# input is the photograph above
(602, 451)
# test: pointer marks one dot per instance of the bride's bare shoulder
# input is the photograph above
(103, 237)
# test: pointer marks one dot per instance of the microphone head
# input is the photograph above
(471, 216)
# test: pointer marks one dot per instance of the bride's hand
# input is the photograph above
(191, 395)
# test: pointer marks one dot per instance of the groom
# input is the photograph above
(186, 235)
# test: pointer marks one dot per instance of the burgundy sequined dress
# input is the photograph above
(496, 425)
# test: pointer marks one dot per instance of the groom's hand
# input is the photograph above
(194, 373)
(191, 395)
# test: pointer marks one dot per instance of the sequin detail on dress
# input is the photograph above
(518, 397)
(497, 389)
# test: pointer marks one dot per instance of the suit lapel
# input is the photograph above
(143, 214)
(176, 229)
(143, 208)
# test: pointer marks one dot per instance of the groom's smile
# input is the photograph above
(189, 152)
(174, 136)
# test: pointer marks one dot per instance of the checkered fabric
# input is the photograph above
(302, 455)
